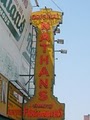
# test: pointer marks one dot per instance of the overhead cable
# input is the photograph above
(57, 5)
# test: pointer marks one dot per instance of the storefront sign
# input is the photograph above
(14, 14)
(15, 100)
(14, 111)
(44, 105)
(15, 22)
(3, 95)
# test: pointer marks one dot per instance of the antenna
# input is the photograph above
(36, 3)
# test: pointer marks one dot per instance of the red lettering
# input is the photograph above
(43, 95)
(44, 59)
(40, 105)
(15, 112)
(34, 17)
(43, 71)
(45, 26)
(44, 36)
(44, 114)
(45, 16)
(44, 46)
(43, 83)
(25, 111)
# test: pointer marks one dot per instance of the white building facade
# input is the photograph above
(15, 40)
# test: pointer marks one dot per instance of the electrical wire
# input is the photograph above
(57, 5)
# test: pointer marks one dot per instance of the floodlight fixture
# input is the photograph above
(59, 41)
(62, 51)
(57, 30)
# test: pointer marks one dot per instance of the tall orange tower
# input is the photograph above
(44, 106)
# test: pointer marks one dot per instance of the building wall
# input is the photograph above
(15, 36)
(87, 117)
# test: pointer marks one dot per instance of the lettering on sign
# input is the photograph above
(44, 105)
(15, 100)
(43, 114)
(9, 8)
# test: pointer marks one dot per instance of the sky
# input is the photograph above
(72, 81)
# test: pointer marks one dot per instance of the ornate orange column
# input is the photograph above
(44, 105)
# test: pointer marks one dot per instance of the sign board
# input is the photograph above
(3, 95)
(44, 106)
(15, 100)
(14, 15)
